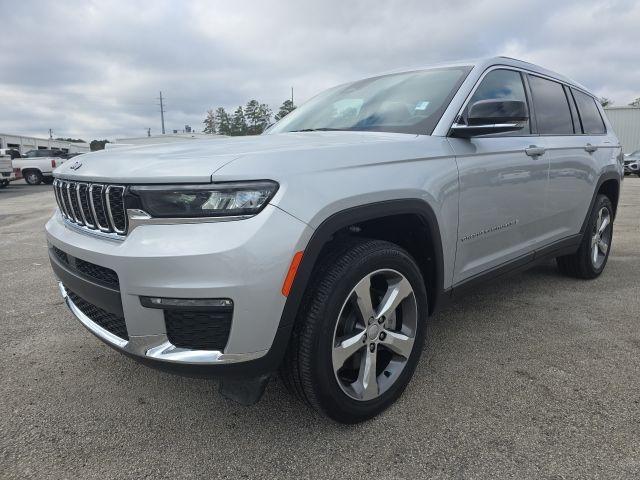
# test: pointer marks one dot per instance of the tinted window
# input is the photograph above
(551, 106)
(502, 85)
(589, 114)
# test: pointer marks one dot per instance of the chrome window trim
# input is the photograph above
(529, 100)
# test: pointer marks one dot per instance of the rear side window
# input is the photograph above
(551, 107)
(590, 118)
(501, 85)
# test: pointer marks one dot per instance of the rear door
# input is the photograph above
(574, 162)
(503, 182)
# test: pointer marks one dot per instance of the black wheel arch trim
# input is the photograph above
(325, 232)
(605, 177)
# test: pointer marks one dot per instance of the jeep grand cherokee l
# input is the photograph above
(320, 248)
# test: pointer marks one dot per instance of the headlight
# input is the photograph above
(210, 200)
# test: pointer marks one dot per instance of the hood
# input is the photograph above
(196, 161)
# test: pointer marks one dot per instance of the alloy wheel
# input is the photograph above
(374, 334)
(601, 238)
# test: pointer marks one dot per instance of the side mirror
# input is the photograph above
(492, 116)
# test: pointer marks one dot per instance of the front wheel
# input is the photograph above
(591, 258)
(33, 177)
(360, 332)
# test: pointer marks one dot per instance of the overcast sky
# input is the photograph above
(93, 69)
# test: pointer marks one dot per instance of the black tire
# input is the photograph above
(32, 177)
(47, 180)
(581, 264)
(307, 370)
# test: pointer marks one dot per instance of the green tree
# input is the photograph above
(71, 140)
(605, 102)
(238, 123)
(98, 144)
(210, 123)
(223, 121)
(258, 117)
(286, 108)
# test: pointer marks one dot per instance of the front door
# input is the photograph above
(503, 182)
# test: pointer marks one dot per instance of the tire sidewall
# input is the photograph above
(37, 178)
(338, 404)
(601, 201)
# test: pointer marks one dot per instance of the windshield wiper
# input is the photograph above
(323, 129)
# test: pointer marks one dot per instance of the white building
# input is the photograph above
(24, 144)
(626, 124)
(157, 139)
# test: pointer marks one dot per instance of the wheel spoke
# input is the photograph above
(367, 381)
(603, 246)
(603, 225)
(395, 294)
(599, 221)
(595, 254)
(363, 299)
(398, 343)
(346, 349)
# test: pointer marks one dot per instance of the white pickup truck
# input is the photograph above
(37, 166)
(6, 169)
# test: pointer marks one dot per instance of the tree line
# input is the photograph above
(607, 102)
(252, 119)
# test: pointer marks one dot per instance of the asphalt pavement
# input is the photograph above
(536, 376)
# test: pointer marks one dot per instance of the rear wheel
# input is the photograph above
(359, 333)
(32, 177)
(591, 258)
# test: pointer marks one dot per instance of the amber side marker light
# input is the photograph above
(291, 274)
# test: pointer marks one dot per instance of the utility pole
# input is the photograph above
(162, 113)
(50, 134)
(292, 96)
(148, 132)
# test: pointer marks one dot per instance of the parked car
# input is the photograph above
(320, 248)
(632, 163)
(36, 166)
(6, 168)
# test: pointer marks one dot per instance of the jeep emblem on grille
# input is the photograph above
(76, 165)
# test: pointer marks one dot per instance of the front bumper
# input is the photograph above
(245, 261)
(631, 168)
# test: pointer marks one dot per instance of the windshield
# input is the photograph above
(410, 102)
(40, 153)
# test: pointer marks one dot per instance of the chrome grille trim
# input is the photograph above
(110, 213)
(87, 222)
(84, 204)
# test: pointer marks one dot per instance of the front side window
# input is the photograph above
(501, 85)
(410, 102)
(590, 118)
(551, 106)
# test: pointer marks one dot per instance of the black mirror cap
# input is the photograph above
(468, 131)
(496, 111)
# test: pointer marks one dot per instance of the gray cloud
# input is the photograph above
(93, 69)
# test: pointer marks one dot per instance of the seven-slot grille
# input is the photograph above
(95, 206)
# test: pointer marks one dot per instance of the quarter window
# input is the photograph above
(501, 85)
(551, 107)
(592, 122)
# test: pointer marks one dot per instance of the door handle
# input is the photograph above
(534, 151)
(590, 148)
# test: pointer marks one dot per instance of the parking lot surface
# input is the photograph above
(535, 376)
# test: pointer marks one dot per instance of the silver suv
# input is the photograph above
(320, 248)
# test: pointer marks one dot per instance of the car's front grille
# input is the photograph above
(198, 330)
(109, 321)
(94, 206)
